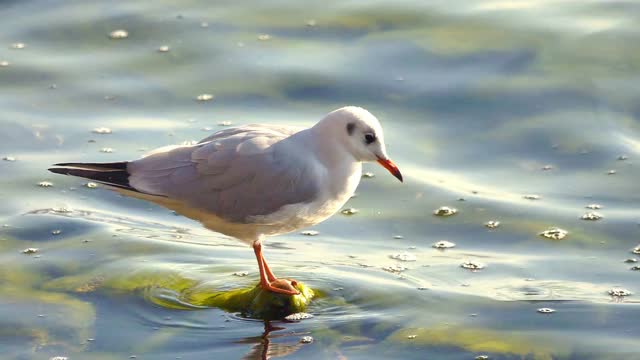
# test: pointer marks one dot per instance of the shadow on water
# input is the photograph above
(81, 221)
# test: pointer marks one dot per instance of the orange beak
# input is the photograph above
(393, 168)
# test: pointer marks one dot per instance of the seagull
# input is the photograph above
(254, 181)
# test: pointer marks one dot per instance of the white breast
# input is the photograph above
(340, 185)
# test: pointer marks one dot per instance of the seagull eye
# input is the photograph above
(369, 138)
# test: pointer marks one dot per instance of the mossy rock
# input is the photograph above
(175, 291)
(256, 302)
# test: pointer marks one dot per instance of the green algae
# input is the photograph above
(256, 302)
(68, 321)
(479, 340)
(185, 293)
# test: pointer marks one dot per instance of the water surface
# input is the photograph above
(477, 99)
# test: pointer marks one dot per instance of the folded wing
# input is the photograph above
(235, 174)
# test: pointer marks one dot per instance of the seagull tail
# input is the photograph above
(112, 174)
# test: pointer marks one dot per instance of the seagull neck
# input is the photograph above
(330, 151)
(343, 171)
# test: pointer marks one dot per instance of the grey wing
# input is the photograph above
(235, 174)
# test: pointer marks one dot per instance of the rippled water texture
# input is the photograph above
(518, 112)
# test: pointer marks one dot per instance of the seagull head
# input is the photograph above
(361, 134)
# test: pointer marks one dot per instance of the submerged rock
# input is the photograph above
(591, 216)
(118, 34)
(479, 339)
(204, 97)
(618, 292)
(306, 340)
(394, 269)
(443, 244)
(492, 224)
(403, 257)
(30, 250)
(445, 211)
(554, 233)
(298, 316)
(102, 130)
(546, 311)
(259, 303)
(471, 265)
(349, 211)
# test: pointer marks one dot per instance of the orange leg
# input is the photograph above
(268, 281)
(267, 270)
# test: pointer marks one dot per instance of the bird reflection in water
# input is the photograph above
(264, 348)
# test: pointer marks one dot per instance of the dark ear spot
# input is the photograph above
(350, 128)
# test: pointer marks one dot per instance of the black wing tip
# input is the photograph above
(110, 174)
(113, 174)
(72, 164)
(60, 170)
(56, 170)
(121, 165)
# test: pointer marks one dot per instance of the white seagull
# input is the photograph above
(253, 181)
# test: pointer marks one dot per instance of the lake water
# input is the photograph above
(483, 103)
